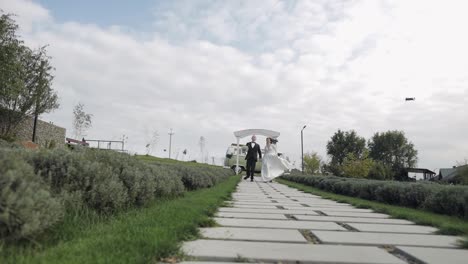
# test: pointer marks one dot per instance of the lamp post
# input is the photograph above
(302, 148)
(170, 142)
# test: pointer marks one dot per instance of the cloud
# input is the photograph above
(29, 13)
(212, 67)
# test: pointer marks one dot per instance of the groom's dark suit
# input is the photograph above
(251, 158)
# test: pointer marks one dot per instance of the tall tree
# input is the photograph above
(393, 149)
(357, 167)
(312, 163)
(340, 145)
(81, 121)
(25, 79)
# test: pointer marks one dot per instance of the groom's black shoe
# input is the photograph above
(246, 177)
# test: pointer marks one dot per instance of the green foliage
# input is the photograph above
(357, 167)
(51, 144)
(462, 175)
(26, 205)
(380, 171)
(443, 199)
(139, 235)
(312, 163)
(393, 149)
(104, 181)
(6, 143)
(340, 145)
(25, 79)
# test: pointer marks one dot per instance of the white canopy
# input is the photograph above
(262, 132)
(248, 132)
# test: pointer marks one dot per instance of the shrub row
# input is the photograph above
(443, 199)
(37, 187)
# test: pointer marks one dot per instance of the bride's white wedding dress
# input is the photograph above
(272, 165)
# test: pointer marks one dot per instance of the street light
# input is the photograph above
(302, 147)
(170, 142)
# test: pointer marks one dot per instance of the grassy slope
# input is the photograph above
(170, 161)
(448, 225)
(138, 236)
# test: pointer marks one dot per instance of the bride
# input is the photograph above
(272, 165)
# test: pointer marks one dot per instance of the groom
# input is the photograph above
(251, 157)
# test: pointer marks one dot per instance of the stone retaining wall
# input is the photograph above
(45, 133)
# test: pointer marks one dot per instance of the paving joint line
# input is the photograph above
(290, 217)
(320, 212)
(347, 227)
(401, 255)
(309, 236)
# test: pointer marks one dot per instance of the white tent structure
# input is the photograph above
(248, 132)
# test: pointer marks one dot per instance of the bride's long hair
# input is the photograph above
(273, 140)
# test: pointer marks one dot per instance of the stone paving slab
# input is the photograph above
(330, 209)
(210, 262)
(312, 202)
(254, 234)
(283, 200)
(309, 207)
(281, 224)
(292, 203)
(252, 215)
(263, 203)
(414, 229)
(350, 214)
(216, 250)
(252, 201)
(361, 238)
(267, 211)
(255, 206)
(353, 219)
(437, 255)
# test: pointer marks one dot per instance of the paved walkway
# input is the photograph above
(272, 223)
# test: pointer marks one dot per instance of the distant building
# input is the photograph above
(419, 174)
(449, 174)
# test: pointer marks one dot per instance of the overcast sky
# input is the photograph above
(208, 68)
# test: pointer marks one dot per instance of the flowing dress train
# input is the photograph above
(272, 165)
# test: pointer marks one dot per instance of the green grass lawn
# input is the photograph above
(448, 225)
(149, 158)
(143, 235)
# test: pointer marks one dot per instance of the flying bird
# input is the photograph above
(410, 99)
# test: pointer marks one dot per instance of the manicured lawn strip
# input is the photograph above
(141, 235)
(448, 225)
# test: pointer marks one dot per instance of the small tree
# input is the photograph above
(81, 121)
(25, 80)
(201, 144)
(340, 145)
(357, 167)
(312, 163)
(152, 142)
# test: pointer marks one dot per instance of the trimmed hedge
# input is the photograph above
(26, 204)
(38, 187)
(442, 199)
